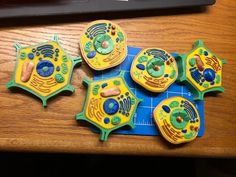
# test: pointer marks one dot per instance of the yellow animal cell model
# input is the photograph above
(109, 105)
(103, 45)
(200, 70)
(177, 119)
(43, 70)
(154, 69)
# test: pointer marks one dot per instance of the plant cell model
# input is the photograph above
(109, 105)
(200, 70)
(44, 69)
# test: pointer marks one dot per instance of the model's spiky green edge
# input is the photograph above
(106, 132)
(44, 99)
(181, 62)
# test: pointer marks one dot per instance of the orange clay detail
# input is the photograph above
(112, 57)
(200, 64)
(27, 70)
(214, 63)
(94, 109)
(114, 91)
(179, 119)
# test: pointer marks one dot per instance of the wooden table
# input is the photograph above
(26, 126)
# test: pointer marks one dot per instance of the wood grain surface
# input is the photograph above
(26, 126)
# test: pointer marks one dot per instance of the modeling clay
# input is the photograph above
(154, 69)
(200, 70)
(177, 119)
(103, 45)
(43, 70)
(109, 105)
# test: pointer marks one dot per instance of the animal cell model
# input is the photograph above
(200, 70)
(43, 69)
(154, 69)
(177, 119)
(103, 45)
(109, 105)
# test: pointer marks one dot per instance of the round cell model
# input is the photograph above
(177, 119)
(154, 69)
(103, 44)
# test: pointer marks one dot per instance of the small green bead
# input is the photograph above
(142, 59)
(111, 105)
(64, 71)
(115, 120)
(200, 52)
(64, 58)
(205, 85)
(87, 46)
(45, 68)
(188, 135)
(64, 68)
(22, 55)
(95, 89)
(64, 65)
(172, 74)
(192, 62)
(174, 104)
(132, 101)
(121, 36)
(59, 78)
(116, 82)
(217, 79)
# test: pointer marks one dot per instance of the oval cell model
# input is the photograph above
(177, 119)
(103, 45)
(154, 69)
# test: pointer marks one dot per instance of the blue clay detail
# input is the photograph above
(117, 39)
(31, 56)
(140, 66)
(205, 53)
(166, 108)
(91, 54)
(209, 74)
(111, 106)
(106, 120)
(104, 85)
(58, 68)
(41, 68)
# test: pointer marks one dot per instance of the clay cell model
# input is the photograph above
(103, 45)
(44, 69)
(109, 105)
(200, 70)
(177, 119)
(154, 69)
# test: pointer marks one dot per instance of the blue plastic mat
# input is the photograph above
(143, 119)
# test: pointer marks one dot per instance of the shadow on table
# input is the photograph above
(53, 165)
